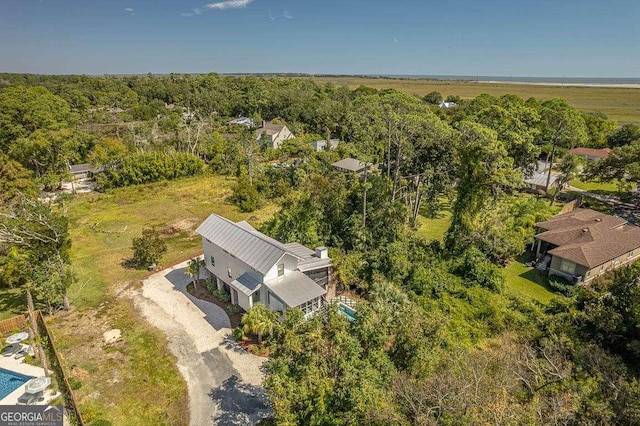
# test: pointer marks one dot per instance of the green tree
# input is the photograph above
(622, 165)
(433, 98)
(485, 171)
(569, 169)
(561, 126)
(15, 181)
(193, 270)
(23, 110)
(149, 248)
(625, 135)
(259, 320)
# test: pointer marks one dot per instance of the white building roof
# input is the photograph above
(295, 288)
(242, 241)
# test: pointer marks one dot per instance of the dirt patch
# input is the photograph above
(186, 225)
(203, 294)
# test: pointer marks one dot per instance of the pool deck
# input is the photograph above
(17, 366)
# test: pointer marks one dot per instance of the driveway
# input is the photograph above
(223, 380)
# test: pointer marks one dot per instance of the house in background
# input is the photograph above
(538, 180)
(591, 154)
(242, 121)
(254, 268)
(273, 134)
(582, 244)
(351, 165)
(447, 105)
(321, 144)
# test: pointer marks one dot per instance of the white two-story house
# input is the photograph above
(254, 268)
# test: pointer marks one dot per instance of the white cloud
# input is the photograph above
(229, 4)
(287, 15)
(271, 16)
(395, 40)
(130, 10)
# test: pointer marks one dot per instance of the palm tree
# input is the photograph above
(193, 270)
(259, 320)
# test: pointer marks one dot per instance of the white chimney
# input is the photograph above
(322, 252)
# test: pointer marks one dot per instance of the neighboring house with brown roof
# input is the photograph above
(591, 154)
(582, 244)
(273, 134)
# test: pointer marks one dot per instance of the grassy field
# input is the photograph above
(134, 381)
(621, 104)
(597, 187)
(522, 281)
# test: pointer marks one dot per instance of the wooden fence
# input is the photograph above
(55, 364)
(12, 325)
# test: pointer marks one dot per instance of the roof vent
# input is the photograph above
(598, 219)
(584, 229)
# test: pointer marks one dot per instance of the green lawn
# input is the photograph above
(607, 187)
(435, 228)
(135, 381)
(526, 281)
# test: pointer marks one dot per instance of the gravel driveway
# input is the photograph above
(224, 381)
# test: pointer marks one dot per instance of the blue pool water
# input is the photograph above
(10, 381)
(347, 311)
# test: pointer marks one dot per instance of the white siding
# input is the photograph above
(244, 301)
(224, 261)
(290, 264)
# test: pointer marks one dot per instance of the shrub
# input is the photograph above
(238, 334)
(74, 383)
(232, 309)
(562, 285)
(221, 295)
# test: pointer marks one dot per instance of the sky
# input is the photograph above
(539, 38)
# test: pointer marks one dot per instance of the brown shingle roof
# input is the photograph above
(270, 129)
(588, 237)
(591, 152)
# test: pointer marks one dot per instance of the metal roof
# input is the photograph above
(295, 288)
(299, 250)
(350, 164)
(251, 247)
(80, 168)
(246, 284)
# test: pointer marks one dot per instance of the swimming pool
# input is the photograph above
(347, 311)
(10, 381)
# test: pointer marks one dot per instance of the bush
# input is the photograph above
(562, 285)
(74, 383)
(148, 248)
(220, 295)
(148, 167)
(238, 334)
(232, 309)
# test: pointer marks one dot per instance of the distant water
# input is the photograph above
(554, 80)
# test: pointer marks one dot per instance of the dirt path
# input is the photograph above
(223, 380)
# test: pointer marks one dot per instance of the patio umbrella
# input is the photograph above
(37, 385)
(17, 338)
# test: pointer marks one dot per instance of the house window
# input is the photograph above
(229, 271)
(630, 254)
(281, 269)
(568, 266)
(255, 298)
(213, 260)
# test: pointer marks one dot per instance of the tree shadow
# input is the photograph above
(240, 403)
(13, 301)
(129, 264)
